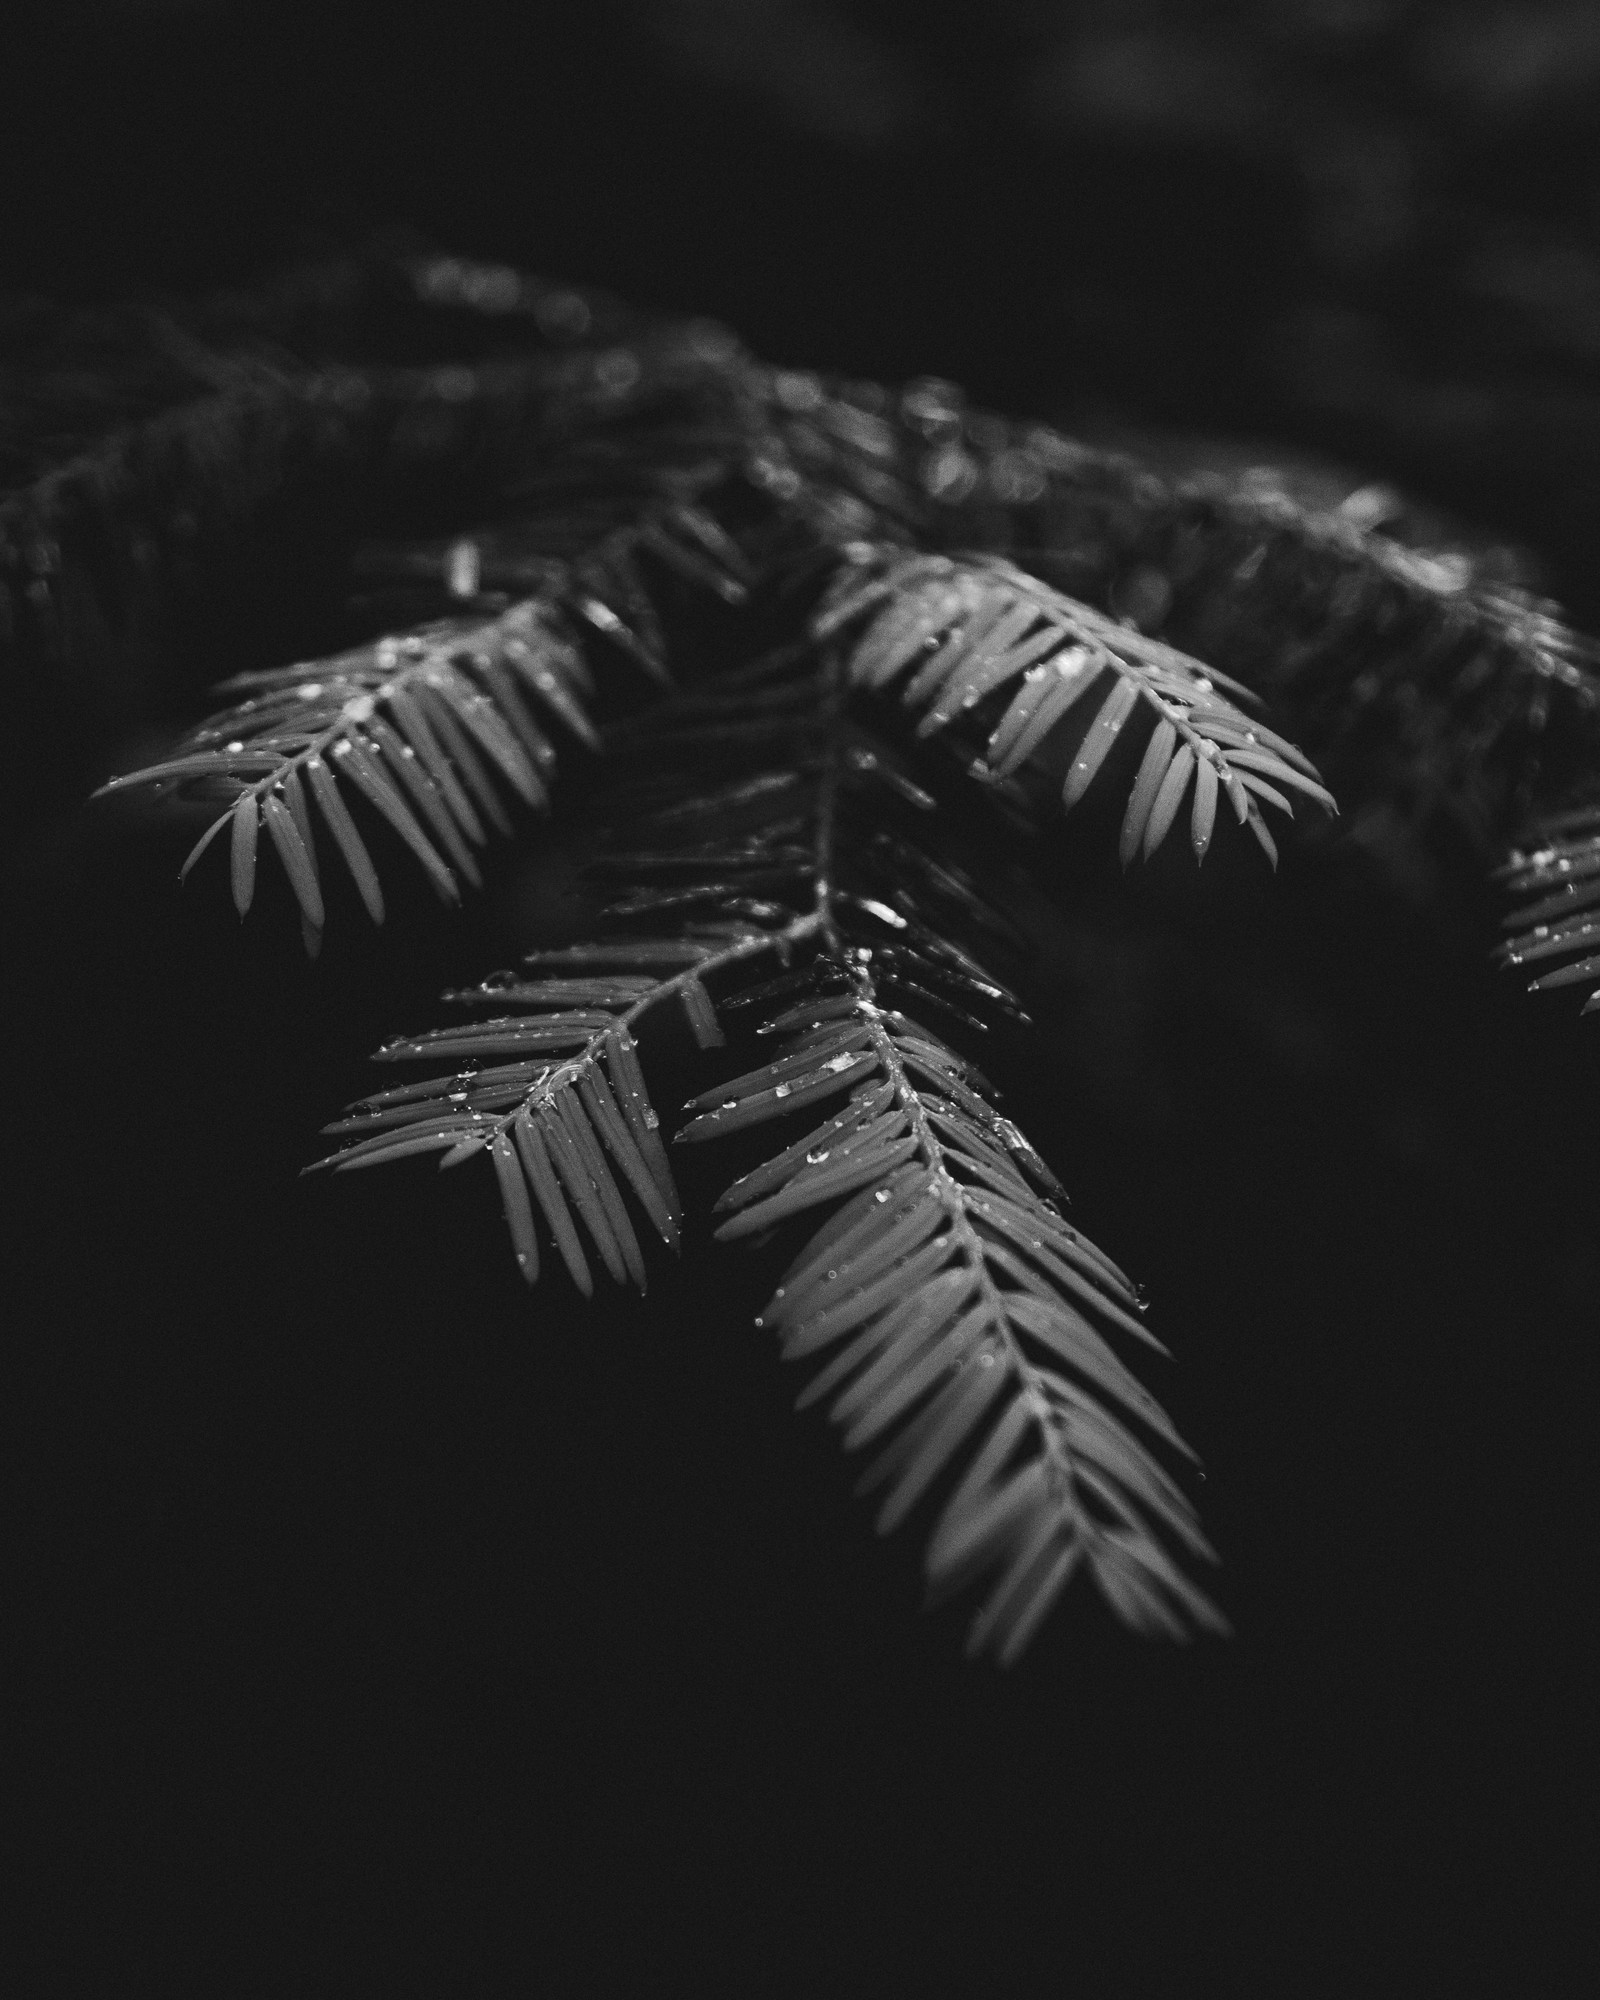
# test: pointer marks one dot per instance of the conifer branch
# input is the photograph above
(1559, 918)
(887, 578)
(970, 1314)
(1462, 700)
(970, 628)
(547, 1125)
(976, 1319)
(415, 725)
(425, 725)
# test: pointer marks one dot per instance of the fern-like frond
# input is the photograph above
(431, 725)
(976, 633)
(1457, 698)
(1559, 918)
(780, 827)
(966, 1320)
(973, 1325)
(569, 1112)
(425, 727)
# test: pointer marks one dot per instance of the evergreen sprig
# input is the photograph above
(962, 1310)
(841, 607)
(962, 631)
(971, 1322)
(1558, 917)
(425, 725)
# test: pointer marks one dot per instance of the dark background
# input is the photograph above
(381, 1628)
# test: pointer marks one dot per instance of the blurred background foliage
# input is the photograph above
(1359, 240)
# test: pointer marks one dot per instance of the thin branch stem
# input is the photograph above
(568, 1072)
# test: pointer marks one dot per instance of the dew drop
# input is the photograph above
(463, 569)
(783, 1090)
(882, 1195)
(816, 1159)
